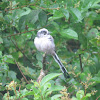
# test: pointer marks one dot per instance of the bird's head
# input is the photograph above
(42, 32)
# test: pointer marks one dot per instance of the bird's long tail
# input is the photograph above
(63, 69)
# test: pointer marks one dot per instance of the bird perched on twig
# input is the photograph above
(44, 42)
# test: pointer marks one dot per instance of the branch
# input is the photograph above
(42, 74)
(80, 63)
(98, 98)
(24, 32)
(43, 70)
(19, 33)
(20, 49)
(19, 7)
(44, 61)
(21, 72)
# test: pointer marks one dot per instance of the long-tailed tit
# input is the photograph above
(44, 42)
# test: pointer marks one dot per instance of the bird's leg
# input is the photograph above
(43, 70)
(44, 61)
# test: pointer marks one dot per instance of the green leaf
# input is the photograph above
(1, 40)
(56, 15)
(32, 17)
(69, 33)
(9, 59)
(55, 25)
(83, 76)
(88, 94)
(45, 87)
(22, 22)
(66, 13)
(40, 64)
(0, 53)
(80, 94)
(76, 14)
(96, 79)
(23, 92)
(90, 4)
(56, 88)
(42, 18)
(28, 93)
(29, 86)
(12, 75)
(92, 33)
(24, 99)
(39, 56)
(74, 98)
(56, 96)
(49, 77)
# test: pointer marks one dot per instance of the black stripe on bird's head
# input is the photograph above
(42, 32)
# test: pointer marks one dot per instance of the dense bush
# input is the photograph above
(75, 26)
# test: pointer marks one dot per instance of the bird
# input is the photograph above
(44, 42)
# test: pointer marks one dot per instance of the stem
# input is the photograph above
(80, 63)
(21, 72)
(43, 70)
(44, 62)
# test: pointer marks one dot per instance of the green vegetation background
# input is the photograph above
(75, 26)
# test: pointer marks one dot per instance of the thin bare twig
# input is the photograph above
(43, 71)
(20, 49)
(98, 97)
(21, 72)
(42, 74)
(19, 7)
(80, 63)
(19, 33)
(24, 32)
(44, 62)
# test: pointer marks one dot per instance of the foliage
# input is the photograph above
(76, 30)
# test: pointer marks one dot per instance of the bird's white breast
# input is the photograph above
(44, 44)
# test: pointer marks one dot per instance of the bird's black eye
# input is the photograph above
(44, 32)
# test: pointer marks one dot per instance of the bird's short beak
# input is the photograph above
(49, 32)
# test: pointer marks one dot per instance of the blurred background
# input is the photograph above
(75, 26)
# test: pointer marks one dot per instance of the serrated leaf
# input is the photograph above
(42, 18)
(22, 22)
(45, 87)
(32, 17)
(12, 75)
(76, 14)
(69, 33)
(56, 15)
(49, 77)
(9, 59)
(56, 96)
(88, 94)
(66, 13)
(56, 88)
(96, 79)
(0, 53)
(39, 56)
(40, 64)
(55, 25)
(1, 40)
(83, 76)
(29, 86)
(80, 94)
(92, 33)
(74, 98)
(24, 99)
